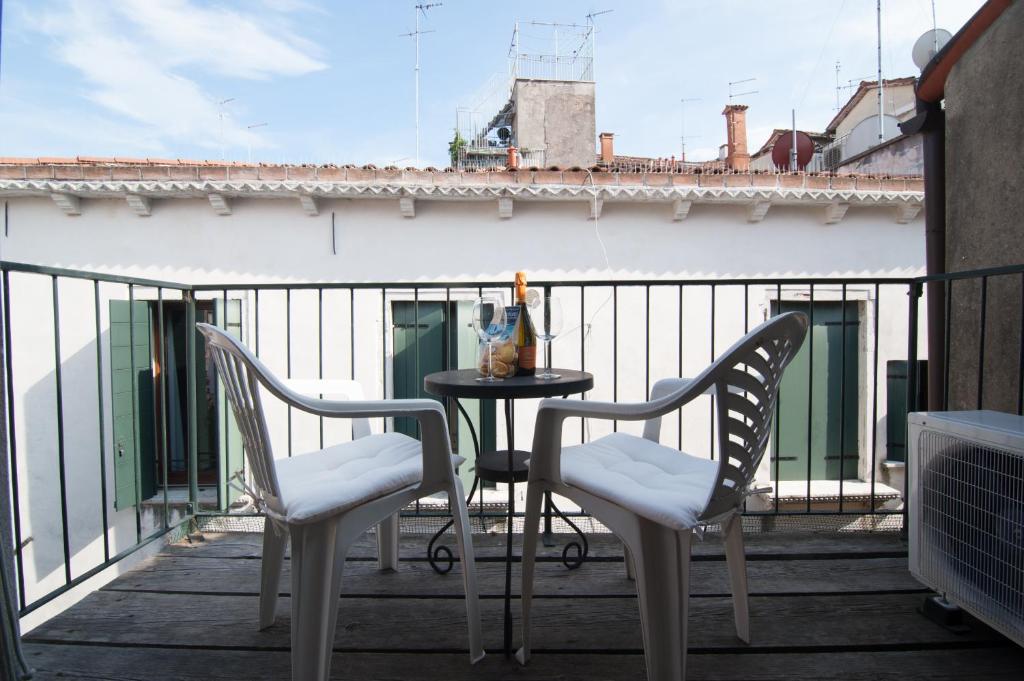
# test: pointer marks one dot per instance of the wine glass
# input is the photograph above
(489, 324)
(548, 325)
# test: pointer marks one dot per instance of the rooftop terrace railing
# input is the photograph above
(837, 450)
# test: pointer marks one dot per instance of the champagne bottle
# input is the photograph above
(525, 335)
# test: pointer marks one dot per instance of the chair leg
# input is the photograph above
(387, 543)
(628, 559)
(534, 496)
(275, 540)
(737, 561)
(314, 610)
(464, 537)
(662, 563)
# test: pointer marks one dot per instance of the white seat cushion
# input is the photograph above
(330, 481)
(657, 482)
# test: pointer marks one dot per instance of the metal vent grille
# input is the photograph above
(970, 538)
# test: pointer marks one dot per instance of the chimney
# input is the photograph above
(607, 153)
(737, 157)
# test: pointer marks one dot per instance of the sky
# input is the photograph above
(319, 81)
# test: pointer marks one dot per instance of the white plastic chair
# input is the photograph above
(653, 496)
(323, 501)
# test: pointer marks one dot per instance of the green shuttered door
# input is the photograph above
(131, 367)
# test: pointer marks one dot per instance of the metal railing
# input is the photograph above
(628, 333)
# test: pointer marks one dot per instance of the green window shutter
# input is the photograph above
(132, 403)
(896, 375)
(834, 437)
(229, 438)
(421, 331)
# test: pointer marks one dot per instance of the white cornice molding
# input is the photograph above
(462, 192)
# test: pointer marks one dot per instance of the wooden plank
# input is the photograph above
(124, 664)
(177, 574)
(561, 624)
(768, 545)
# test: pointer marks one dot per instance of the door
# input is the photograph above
(818, 413)
(419, 349)
(438, 334)
(132, 405)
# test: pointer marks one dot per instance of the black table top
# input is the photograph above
(463, 383)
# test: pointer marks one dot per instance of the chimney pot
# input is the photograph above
(737, 156)
(607, 149)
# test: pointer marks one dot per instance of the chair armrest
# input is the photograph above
(437, 463)
(652, 429)
(545, 461)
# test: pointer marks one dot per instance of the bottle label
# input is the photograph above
(528, 357)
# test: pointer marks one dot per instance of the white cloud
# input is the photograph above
(136, 57)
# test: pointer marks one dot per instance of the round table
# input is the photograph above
(507, 465)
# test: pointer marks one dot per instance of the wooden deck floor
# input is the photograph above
(823, 606)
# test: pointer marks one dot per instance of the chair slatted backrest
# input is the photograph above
(746, 380)
(241, 379)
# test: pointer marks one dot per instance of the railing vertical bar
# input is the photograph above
(584, 330)
(136, 439)
(874, 396)
(615, 352)
(256, 321)
(981, 340)
(810, 389)
(164, 441)
(842, 400)
(320, 349)
(913, 295)
(449, 332)
(746, 330)
(417, 388)
(101, 419)
(778, 414)
(12, 443)
(679, 364)
(711, 419)
(352, 341)
(193, 414)
(480, 420)
(62, 472)
(1020, 356)
(225, 459)
(946, 344)
(647, 342)
(288, 355)
(416, 358)
(384, 351)
(746, 309)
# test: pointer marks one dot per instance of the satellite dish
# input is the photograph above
(784, 146)
(928, 45)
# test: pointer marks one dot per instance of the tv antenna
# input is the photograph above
(881, 89)
(732, 83)
(221, 114)
(682, 126)
(252, 127)
(593, 39)
(418, 9)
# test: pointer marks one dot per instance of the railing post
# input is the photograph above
(12, 663)
(913, 298)
(190, 383)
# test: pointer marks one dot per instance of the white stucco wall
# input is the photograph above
(273, 240)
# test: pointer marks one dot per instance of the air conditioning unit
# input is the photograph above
(966, 510)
